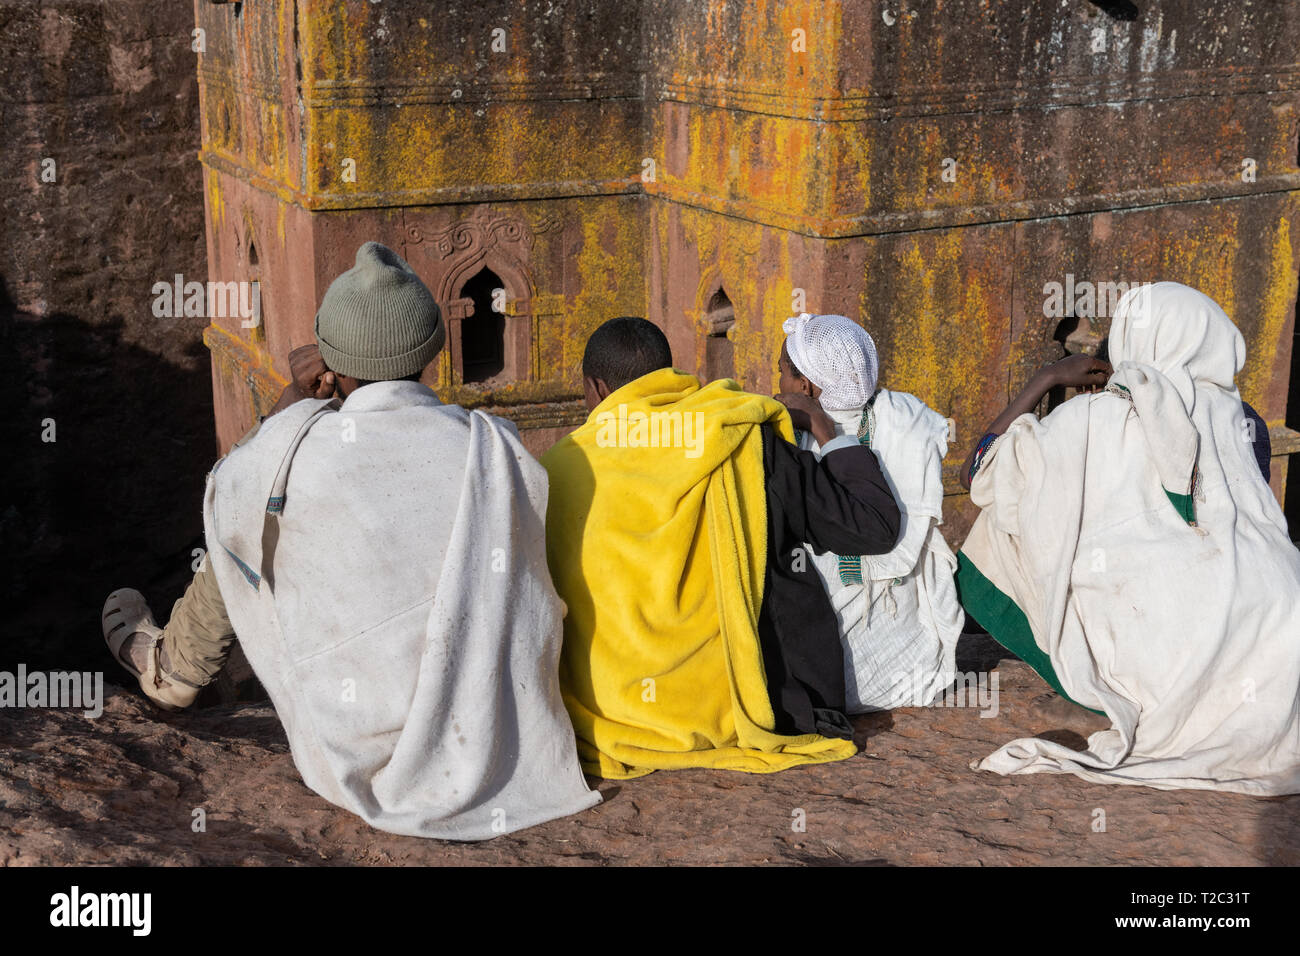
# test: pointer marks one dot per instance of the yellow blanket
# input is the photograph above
(657, 539)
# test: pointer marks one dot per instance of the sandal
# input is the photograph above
(126, 614)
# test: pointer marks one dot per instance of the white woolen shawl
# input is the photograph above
(1186, 636)
(399, 610)
(900, 626)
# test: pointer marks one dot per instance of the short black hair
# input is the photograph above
(624, 349)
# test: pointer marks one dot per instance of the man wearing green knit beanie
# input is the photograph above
(378, 322)
(353, 537)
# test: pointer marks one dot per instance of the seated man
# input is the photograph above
(1131, 552)
(382, 561)
(898, 614)
(698, 633)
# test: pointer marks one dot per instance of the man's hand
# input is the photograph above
(310, 376)
(1084, 372)
(807, 414)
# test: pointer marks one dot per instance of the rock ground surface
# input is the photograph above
(122, 789)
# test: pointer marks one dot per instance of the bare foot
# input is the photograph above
(1051, 708)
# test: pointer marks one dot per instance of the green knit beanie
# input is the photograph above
(378, 321)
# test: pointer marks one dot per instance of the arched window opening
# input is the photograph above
(719, 350)
(251, 313)
(482, 332)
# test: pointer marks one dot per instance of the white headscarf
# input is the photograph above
(835, 354)
(1168, 342)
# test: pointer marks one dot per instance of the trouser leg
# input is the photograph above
(198, 637)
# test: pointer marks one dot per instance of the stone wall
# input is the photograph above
(929, 170)
(108, 92)
(465, 136)
(717, 167)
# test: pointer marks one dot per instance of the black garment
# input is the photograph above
(1262, 445)
(840, 504)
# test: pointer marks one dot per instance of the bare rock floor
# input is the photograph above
(122, 789)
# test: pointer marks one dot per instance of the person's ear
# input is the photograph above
(596, 387)
(806, 386)
(594, 391)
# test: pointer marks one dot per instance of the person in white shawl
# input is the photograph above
(383, 563)
(1129, 549)
(898, 613)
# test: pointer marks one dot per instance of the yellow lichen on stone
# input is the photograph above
(1261, 368)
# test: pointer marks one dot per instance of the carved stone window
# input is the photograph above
(478, 271)
(253, 269)
(483, 330)
(719, 350)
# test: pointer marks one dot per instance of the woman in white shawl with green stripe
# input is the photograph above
(1129, 549)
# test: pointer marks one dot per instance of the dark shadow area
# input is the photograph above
(978, 651)
(719, 350)
(1066, 327)
(1291, 498)
(608, 791)
(226, 723)
(866, 726)
(834, 860)
(1058, 394)
(114, 500)
(1117, 9)
(1066, 738)
(482, 335)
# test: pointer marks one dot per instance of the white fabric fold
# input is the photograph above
(1184, 635)
(1169, 342)
(404, 625)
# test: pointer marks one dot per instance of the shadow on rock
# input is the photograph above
(866, 726)
(114, 443)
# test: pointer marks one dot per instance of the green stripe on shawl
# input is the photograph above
(1183, 503)
(1005, 622)
(850, 565)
